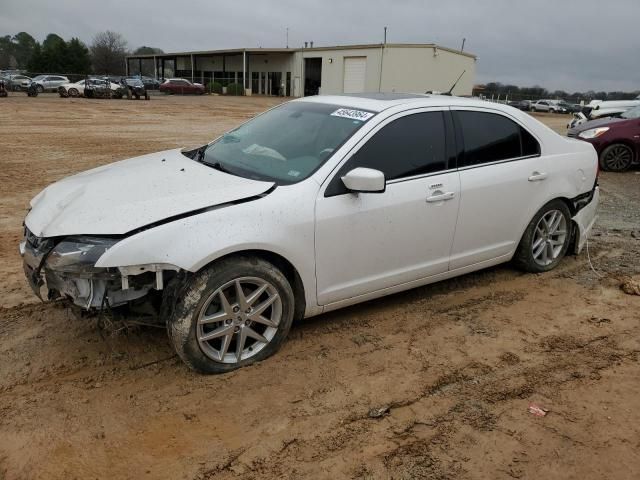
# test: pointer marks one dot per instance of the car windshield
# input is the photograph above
(631, 113)
(286, 144)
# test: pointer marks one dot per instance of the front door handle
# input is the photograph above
(441, 197)
(537, 176)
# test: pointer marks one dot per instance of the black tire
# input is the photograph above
(40, 88)
(73, 92)
(616, 158)
(197, 291)
(524, 256)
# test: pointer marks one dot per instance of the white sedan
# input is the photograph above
(77, 89)
(317, 204)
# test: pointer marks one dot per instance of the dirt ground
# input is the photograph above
(432, 383)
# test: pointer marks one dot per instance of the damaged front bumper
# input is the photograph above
(65, 268)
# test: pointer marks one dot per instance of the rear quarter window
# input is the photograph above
(490, 137)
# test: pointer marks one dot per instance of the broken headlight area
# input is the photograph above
(67, 269)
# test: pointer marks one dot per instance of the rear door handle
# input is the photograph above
(442, 197)
(537, 176)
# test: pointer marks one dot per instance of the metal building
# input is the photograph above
(414, 68)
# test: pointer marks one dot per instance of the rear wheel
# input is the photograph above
(616, 158)
(546, 239)
(230, 315)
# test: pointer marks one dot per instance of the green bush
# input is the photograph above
(235, 89)
(214, 87)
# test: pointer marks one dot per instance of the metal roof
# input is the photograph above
(239, 51)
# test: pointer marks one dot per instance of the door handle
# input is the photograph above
(537, 177)
(441, 197)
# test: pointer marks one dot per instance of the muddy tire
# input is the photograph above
(546, 240)
(236, 312)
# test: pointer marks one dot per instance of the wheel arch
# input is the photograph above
(281, 263)
(572, 211)
(635, 151)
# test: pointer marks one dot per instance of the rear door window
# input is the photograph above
(490, 137)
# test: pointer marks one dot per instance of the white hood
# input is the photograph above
(120, 197)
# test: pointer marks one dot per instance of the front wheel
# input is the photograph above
(40, 88)
(546, 239)
(230, 315)
(616, 158)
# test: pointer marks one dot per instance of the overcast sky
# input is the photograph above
(559, 44)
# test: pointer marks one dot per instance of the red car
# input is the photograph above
(181, 86)
(617, 140)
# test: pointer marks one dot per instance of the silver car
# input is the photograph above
(14, 82)
(48, 82)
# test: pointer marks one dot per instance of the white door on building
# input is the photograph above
(355, 69)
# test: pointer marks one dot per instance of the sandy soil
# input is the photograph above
(431, 383)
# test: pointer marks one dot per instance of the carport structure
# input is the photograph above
(265, 71)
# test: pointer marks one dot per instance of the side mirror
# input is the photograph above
(365, 180)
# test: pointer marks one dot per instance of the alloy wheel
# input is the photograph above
(618, 158)
(239, 319)
(549, 237)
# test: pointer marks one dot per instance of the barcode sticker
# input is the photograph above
(353, 114)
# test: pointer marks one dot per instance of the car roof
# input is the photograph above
(377, 102)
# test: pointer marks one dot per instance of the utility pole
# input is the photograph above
(385, 35)
(462, 48)
(287, 37)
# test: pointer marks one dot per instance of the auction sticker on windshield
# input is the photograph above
(353, 114)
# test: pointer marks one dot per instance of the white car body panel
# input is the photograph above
(490, 227)
(280, 222)
(617, 104)
(408, 236)
(120, 197)
(347, 248)
(79, 86)
(386, 239)
(585, 219)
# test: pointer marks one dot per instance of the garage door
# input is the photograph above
(354, 74)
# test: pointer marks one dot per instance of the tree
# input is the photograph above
(148, 51)
(6, 52)
(54, 54)
(23, 46)
(108, 52)
(78, 59)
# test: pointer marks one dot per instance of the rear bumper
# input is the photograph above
(585, 219)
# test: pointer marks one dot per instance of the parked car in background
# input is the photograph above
(315, 205)
(551, 106)
(598, 109)
(45, 83)
(150, 83)
(570, 107)
(540, 106)
(524, 105)
(181, 86)
(16, 82)
(617, 140)
(77, 89)
(135, 87)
